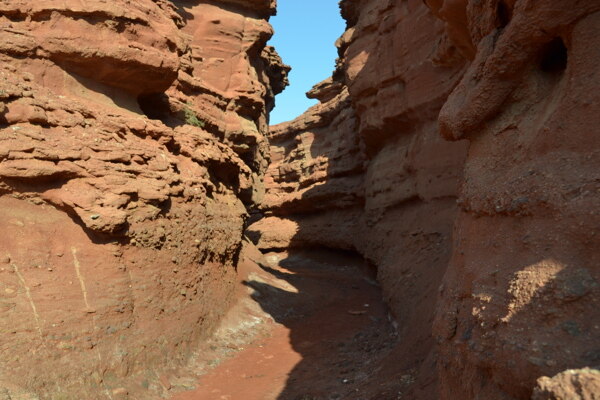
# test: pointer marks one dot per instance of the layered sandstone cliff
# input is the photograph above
(366, 169)
(454, 148)
(132, 145)
(492, 234)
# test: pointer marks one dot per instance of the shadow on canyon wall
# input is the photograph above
(516, 260)
(402, 238)
(353, 352)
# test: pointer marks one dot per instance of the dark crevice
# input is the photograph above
(227, 174)
(158, 106)
(249, 158)
(155, 106)
(174, 148)
(165, 207)
(554, 57)
(503, 13)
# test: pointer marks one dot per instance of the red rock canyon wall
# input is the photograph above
(455, 147)
(366, 169)
(521, 296)
(132, 144)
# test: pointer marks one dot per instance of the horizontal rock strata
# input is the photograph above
(485, 244)
(366, 169)
(132, 145)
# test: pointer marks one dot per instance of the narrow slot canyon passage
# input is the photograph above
(420, 222)
(325, 331)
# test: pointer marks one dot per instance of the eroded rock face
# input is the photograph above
(122, 230)
(366, 169)
(521, 296)
(510, 247)
(581, 384)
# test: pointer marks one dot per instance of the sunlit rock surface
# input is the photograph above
(132, 145)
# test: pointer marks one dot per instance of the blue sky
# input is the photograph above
(305, 33)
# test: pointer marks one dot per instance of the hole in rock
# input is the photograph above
(554, 56)
(503, 13)
(155, 106)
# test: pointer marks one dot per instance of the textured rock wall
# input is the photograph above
(521, 296)
(488, 242)
(132, 144)
(367, 170)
